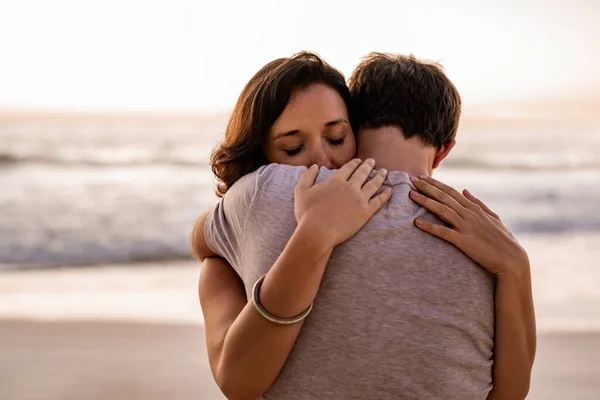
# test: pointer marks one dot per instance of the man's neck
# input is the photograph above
(390, 150)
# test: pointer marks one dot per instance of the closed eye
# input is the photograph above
(336, 142)
(294, 152)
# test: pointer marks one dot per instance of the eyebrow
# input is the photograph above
(296, 131)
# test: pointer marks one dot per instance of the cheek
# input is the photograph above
(340, 155)
(279, 157)
(299, 160)
(271, 155)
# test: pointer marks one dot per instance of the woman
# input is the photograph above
(293, 111)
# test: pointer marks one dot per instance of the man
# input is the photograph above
(399, 313)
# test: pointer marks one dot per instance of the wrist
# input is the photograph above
(292, 283)
(315, 238)
(516, 269)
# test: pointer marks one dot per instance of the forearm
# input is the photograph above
(515, 339)
(254, 349)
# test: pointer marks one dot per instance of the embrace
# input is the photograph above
(335, 266)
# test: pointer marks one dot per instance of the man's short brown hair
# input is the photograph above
(402, 91)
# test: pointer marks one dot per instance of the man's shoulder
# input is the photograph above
(270, 187)
(279, 175)
(264, 178)
(268, 175)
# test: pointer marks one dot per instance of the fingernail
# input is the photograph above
(414, 194)
(383, 171)
(414, 179)
(370, 161)
(424, 177)
(418, 221)
(314, 166)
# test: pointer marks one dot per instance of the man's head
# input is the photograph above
(414, 96)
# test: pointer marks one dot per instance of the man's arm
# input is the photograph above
(200, 247)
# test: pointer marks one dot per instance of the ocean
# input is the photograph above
(85, 191)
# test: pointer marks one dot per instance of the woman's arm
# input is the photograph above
(514, 344)
(480, 234)
(246, 352)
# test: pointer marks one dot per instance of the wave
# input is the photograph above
(111, 160)
(59, 262)
(85, 251)
(529, 162)
(155, 251)
(9, 160)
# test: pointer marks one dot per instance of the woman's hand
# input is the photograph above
(474, 228)
(338, 207)
(479, 233)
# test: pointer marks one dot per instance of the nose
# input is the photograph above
(322, 159)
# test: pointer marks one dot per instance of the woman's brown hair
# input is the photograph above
(260, 104)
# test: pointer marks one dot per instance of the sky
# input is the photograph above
(190, 56)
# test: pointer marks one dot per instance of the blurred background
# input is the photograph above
(109, 111)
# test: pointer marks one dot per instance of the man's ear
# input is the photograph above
(443, 152)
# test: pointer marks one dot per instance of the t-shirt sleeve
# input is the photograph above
(243, 207)
(225, 226)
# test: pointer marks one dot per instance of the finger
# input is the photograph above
(362, 172)
(371, 187)
(378, 201)
(441, 210)
(481, 204)
(449, 190)
(447, 234)
(348, 169)
(438, 195)
(308, 177)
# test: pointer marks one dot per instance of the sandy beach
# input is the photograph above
(118, 360)
(103, 360)
(135, 332)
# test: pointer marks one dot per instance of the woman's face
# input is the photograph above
(313, 129)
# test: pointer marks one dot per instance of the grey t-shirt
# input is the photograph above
(399, 314)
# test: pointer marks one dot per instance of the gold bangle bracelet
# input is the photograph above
(270, 317)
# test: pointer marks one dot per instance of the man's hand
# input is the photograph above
(335, 209)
